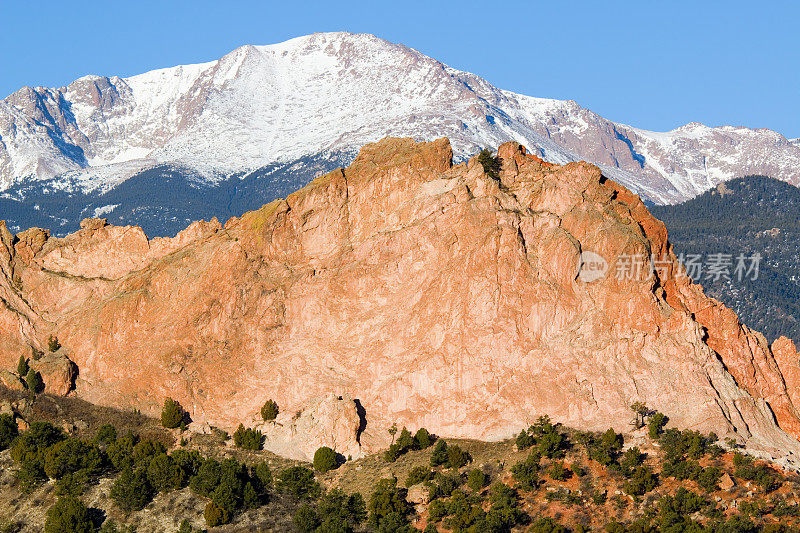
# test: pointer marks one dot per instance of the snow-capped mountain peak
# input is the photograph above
(331, 93)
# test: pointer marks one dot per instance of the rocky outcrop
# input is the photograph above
(57, 371)
(332, 421)
(11, 380)
(425, 293)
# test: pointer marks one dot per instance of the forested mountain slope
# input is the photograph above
(749, 215)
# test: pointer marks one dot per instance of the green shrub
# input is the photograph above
(463, 515)
(762, 474)
(456, 457)
(674, 511)
(406, 442)
(692, 444)
(325, 459)
(34, 382)
(250, 497)
(439, 454)
(392, 453)
(298, 481)
(224, 482)
(490, 164)
(437, 510)
(185, 527)
(423, 439)
(262, 475)
(476, 479)
(419, 474)
(52, 344)
(709, 478)
(305, 519)
(524, 440)
(70, 456)
(386, 500)
(641, 480)
(578, 470)
(29, 449)
(344, 511)
(106, 434)
(68, 514)
(120, 452)
(131, 491)
(655, 426)
(215, 515)
(188, 460)
(545, 436)
(8, 431)
(73, 484)
(145, 450)
(164, 474)
(172, 414)
(247, 438)
(229, 494)
(207, 478)
(557, 471)
(269, 411)
(606, 449)
(444, 485)
(526, 473)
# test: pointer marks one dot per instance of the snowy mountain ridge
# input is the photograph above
(330, 93)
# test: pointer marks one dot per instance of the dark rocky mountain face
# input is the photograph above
(750, 215)
(163, 200)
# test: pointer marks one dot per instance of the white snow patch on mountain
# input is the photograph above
(334, 92)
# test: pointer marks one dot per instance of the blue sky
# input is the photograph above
(655, 65)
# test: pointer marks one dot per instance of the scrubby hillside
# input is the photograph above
(100, 469)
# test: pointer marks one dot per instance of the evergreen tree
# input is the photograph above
(34, 381)
(490, 164)
(439, 455)
(131, 491)
(22, 367)
(8, 431)
(325, 459)
(173, 414)
(68, 514)
(269, 411)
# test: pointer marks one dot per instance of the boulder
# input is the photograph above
(418, 494)
(58, 372)
(11, 380)
(726, 482)
(331, 421)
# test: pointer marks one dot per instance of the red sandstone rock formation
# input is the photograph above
(434, 294)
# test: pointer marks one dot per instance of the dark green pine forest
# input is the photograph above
(753, 214)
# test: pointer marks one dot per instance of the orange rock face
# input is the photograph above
(432, 294)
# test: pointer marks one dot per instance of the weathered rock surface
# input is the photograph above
(11, 380)
(435, 295)
(332, 421)
(58, 372)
